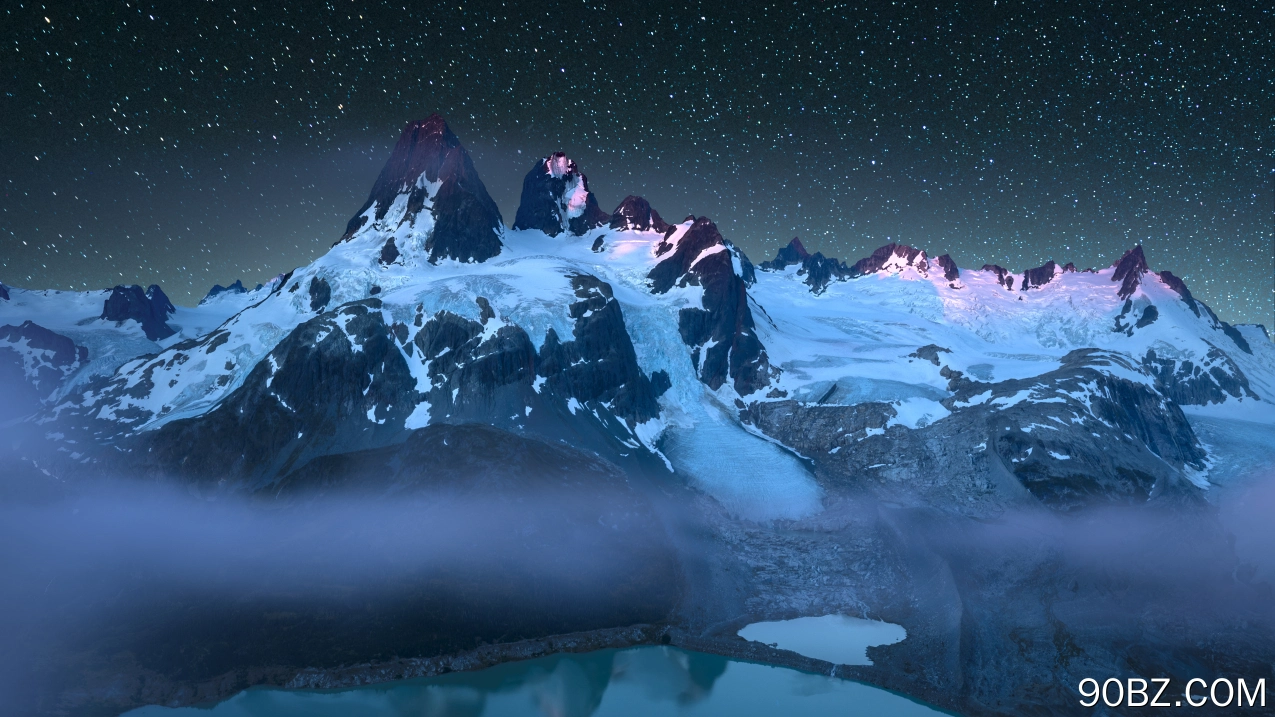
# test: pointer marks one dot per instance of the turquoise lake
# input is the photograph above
(640, 681)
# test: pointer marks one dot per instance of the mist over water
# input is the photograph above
(124, 577)
(199, 588)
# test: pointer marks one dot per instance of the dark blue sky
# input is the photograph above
(195, 143)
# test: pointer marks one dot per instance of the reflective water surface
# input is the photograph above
(838, 639)
(637, 681)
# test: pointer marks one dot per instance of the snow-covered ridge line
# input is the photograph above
(640, 339)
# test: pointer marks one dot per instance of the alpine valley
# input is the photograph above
(662, 442)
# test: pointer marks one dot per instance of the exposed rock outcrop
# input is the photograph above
(556, 198)
(1129, 271)
(1202, 310)
(350, 379)
(948, 265)
(34, 362)
(1003, 275)
(792, 253)
(1038, 277)
(1076, 436)
(1213, 380)
(150, 308)
(430, 169)
(636, 214)
(724, 344)
(891, 256)
(218, 290)
(818, 269)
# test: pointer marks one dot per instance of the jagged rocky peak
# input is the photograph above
(1179, 286)
(218, 290)
(34, 362)
(892, 257)
(720, 333)
(1198, 308)
(636, 214)
(4, 292)
(1129, 271)
(948, 265)
(794, 253)
(430, 169)
(150, 308)
(1041, 275)
(1003, 275)
(556, 198)
(818, 269)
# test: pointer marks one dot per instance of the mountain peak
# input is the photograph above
(556, 198)
(433, 170)
(1041, 275)
(794, 253)
(892, 256)
(150, 308)
(1003, 275)
(635, 213)
(950, 271)
(818, 269)
(1179, 286)
(1129, 271)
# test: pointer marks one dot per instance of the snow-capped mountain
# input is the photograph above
(556, 199)
(657, 346)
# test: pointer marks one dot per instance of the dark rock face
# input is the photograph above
(1232, 333)
(1149, 315)
(882, 256)
(1187, 383)
(1179, 286)
(948, 265)
(61, 351)
(150, 308)
(218, 290)
(1041, 275)
(320, 294)
(342, 383)
(1202, 310)
(794, 253)
(1257, 327)
(389, 252)
(818, 269)
(993, 450)
(747, 271)
(600, 365)
(467, 223)
(930, 352)
(821, 271)
(587, 391)
(1129, 271)
(1003, 277)
(4, 293)
(34, 362)
(725, 318)
(636, 214)
(547, 192)
(1125, 322)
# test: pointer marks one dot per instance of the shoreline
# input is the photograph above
(155, 690)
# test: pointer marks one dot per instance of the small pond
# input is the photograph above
(838, 639)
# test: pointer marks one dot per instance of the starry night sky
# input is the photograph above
(195, 143)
